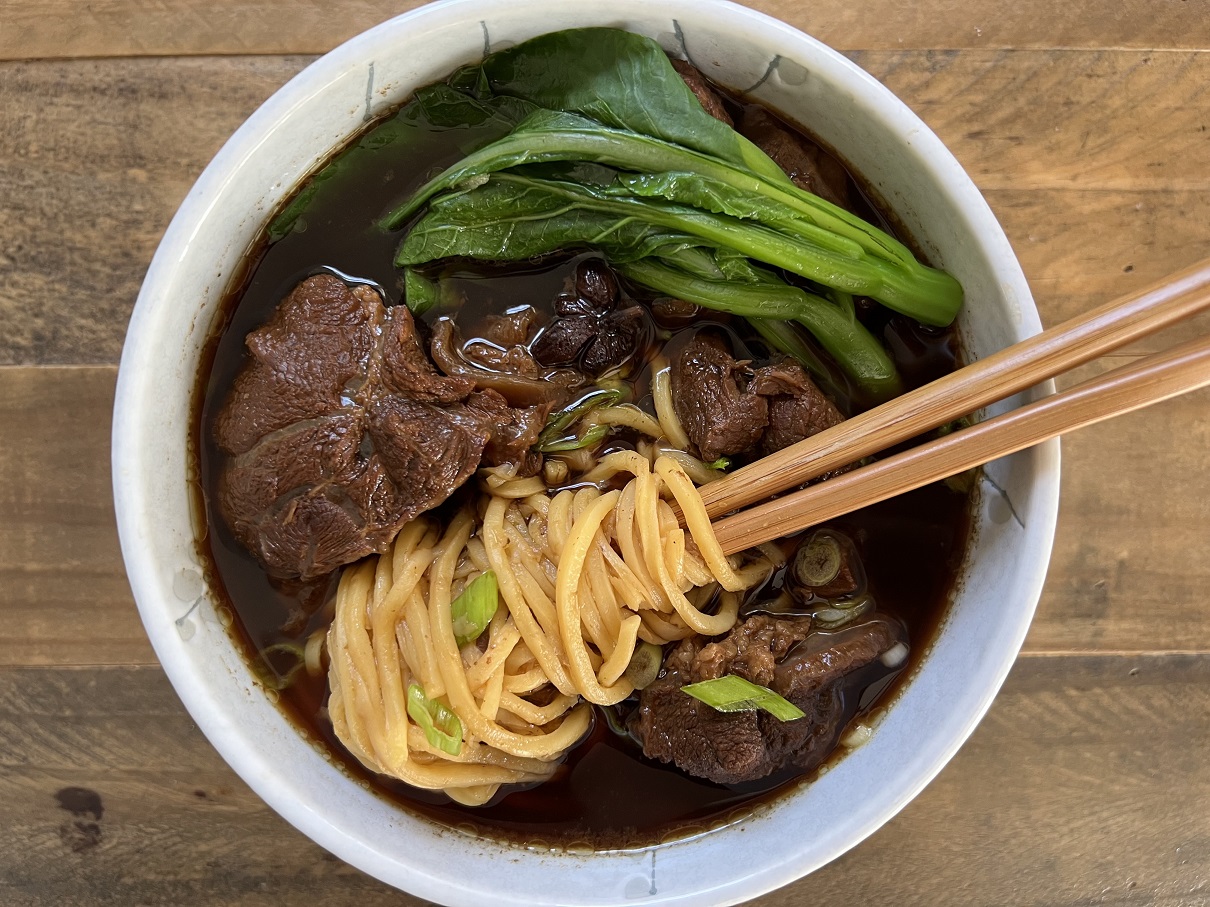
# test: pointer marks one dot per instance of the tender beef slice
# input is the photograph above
(797, 408)
(405, 369)
(514, 430)
(701, 89)
(590, 332)
(336, 326)
(715, 409)
(674, 727)
(820, 673)
(808, 166)
(727, 408)
(340, 430)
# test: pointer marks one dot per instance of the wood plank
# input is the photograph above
(170, 823)
(61, 28)
(63, 590)
(95, 157)
(1128, 574)
(1080, 748)
(98, 149)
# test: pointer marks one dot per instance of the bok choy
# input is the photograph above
(615, 154)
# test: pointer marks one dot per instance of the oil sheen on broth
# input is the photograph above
(606, 794)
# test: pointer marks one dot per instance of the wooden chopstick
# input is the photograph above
(1154, 378)
(1013, 369)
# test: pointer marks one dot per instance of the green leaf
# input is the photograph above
(441, 727)
(474, 609)
(419, 293)
(547, 136)
(622, 80)
(513, 217)
(730, 693)
(712, 194)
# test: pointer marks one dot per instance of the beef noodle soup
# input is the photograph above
(457, 411)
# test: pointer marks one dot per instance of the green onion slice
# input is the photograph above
(474, 609)
(554, 434)
(730, 693)
(441, 726)
(593, 436)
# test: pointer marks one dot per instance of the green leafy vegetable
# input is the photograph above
(474, 609)
(845, 338)
(419, 293)
(512, 217)
(622, 80)
(731, 693)
(615, 154)
(441, 727)
(546, 136)
(721, 464)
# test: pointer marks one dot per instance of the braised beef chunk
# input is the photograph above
(808, 166)
(702, 91)
(590, 332)
(711, 399)
(821, 673)
(727, 408)
(340, 430)
(797, 408)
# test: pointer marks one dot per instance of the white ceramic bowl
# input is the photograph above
(914, 175)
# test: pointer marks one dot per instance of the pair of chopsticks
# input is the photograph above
(1022, 365)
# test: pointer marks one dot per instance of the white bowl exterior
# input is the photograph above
(903, 162)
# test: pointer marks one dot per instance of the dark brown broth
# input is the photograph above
(605, 794)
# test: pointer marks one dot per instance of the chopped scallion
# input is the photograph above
(554, 436)
(730, 693)
(441, 727)
(589, 438)
(474, 609)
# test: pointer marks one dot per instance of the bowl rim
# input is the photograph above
(130, 412)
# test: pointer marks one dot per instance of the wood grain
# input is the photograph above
(1085, 124)
(1090, 218)
(63, 592)
(61, 28)
(95, 157)
(1080, 749)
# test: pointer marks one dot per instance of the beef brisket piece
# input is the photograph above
(727, 408)
(701, 89)
(808, 166)
(797, 408)
(710, 397)
(822, 673)
(339, 430)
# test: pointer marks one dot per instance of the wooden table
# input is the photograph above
(1087, 126)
